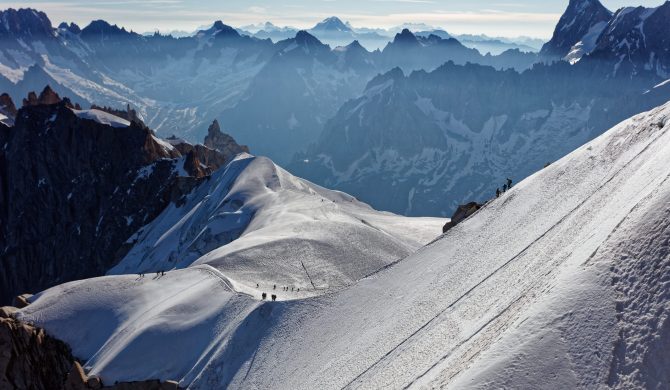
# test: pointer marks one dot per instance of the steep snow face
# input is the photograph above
(587, 44)
(561, 283)
(258, 224)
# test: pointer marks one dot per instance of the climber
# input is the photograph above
(274, 297)
(509, 183)
(504, 188)
(497, 192)
(264, 295)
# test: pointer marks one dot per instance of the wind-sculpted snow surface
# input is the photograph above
(561, 283)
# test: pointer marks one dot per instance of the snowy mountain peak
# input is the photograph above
(219, 26)
(72, 27)
(355, 46)
(577, 21)
(308, 41)
(220, 29)
(636, 41)
(405, 37)
(332, 24)
(25, 23)
(250, 212)
(102, 29)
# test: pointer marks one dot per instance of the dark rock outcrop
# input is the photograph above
(73, 190)
(222, 142)
(203, 160)
(30, 358)
(462, 213)
(7, 106)
(47, 97)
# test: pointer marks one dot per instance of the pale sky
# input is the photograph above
(510, 18)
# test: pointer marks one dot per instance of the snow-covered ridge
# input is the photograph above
(102, 117)
(533, 291)
(257, 223)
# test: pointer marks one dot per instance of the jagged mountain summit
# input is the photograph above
(631, 41)
(332, 23)
(582, 20)
(75, 184)
(560, 283)
(636, 41)
(222, 142)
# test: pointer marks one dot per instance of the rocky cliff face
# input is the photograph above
(7, 110)
(29, 358)
(73, 189)
(32, 359)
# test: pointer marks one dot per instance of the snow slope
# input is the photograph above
(102, 117)
(561, 283)
(258, 224)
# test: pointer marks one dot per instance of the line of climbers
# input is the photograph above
(274, 287)
(506, 186)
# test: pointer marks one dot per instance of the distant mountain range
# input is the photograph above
(334, 32)
(422, 143)
(299, 99)
(179, 85)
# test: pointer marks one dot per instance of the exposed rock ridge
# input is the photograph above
(72, 190)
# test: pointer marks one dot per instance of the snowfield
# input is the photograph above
(563, 282)
(102, 117)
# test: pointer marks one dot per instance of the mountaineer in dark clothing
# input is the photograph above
(264, 295)
(504, 188)
(274, 297)
(509, 183)
(497, 192)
